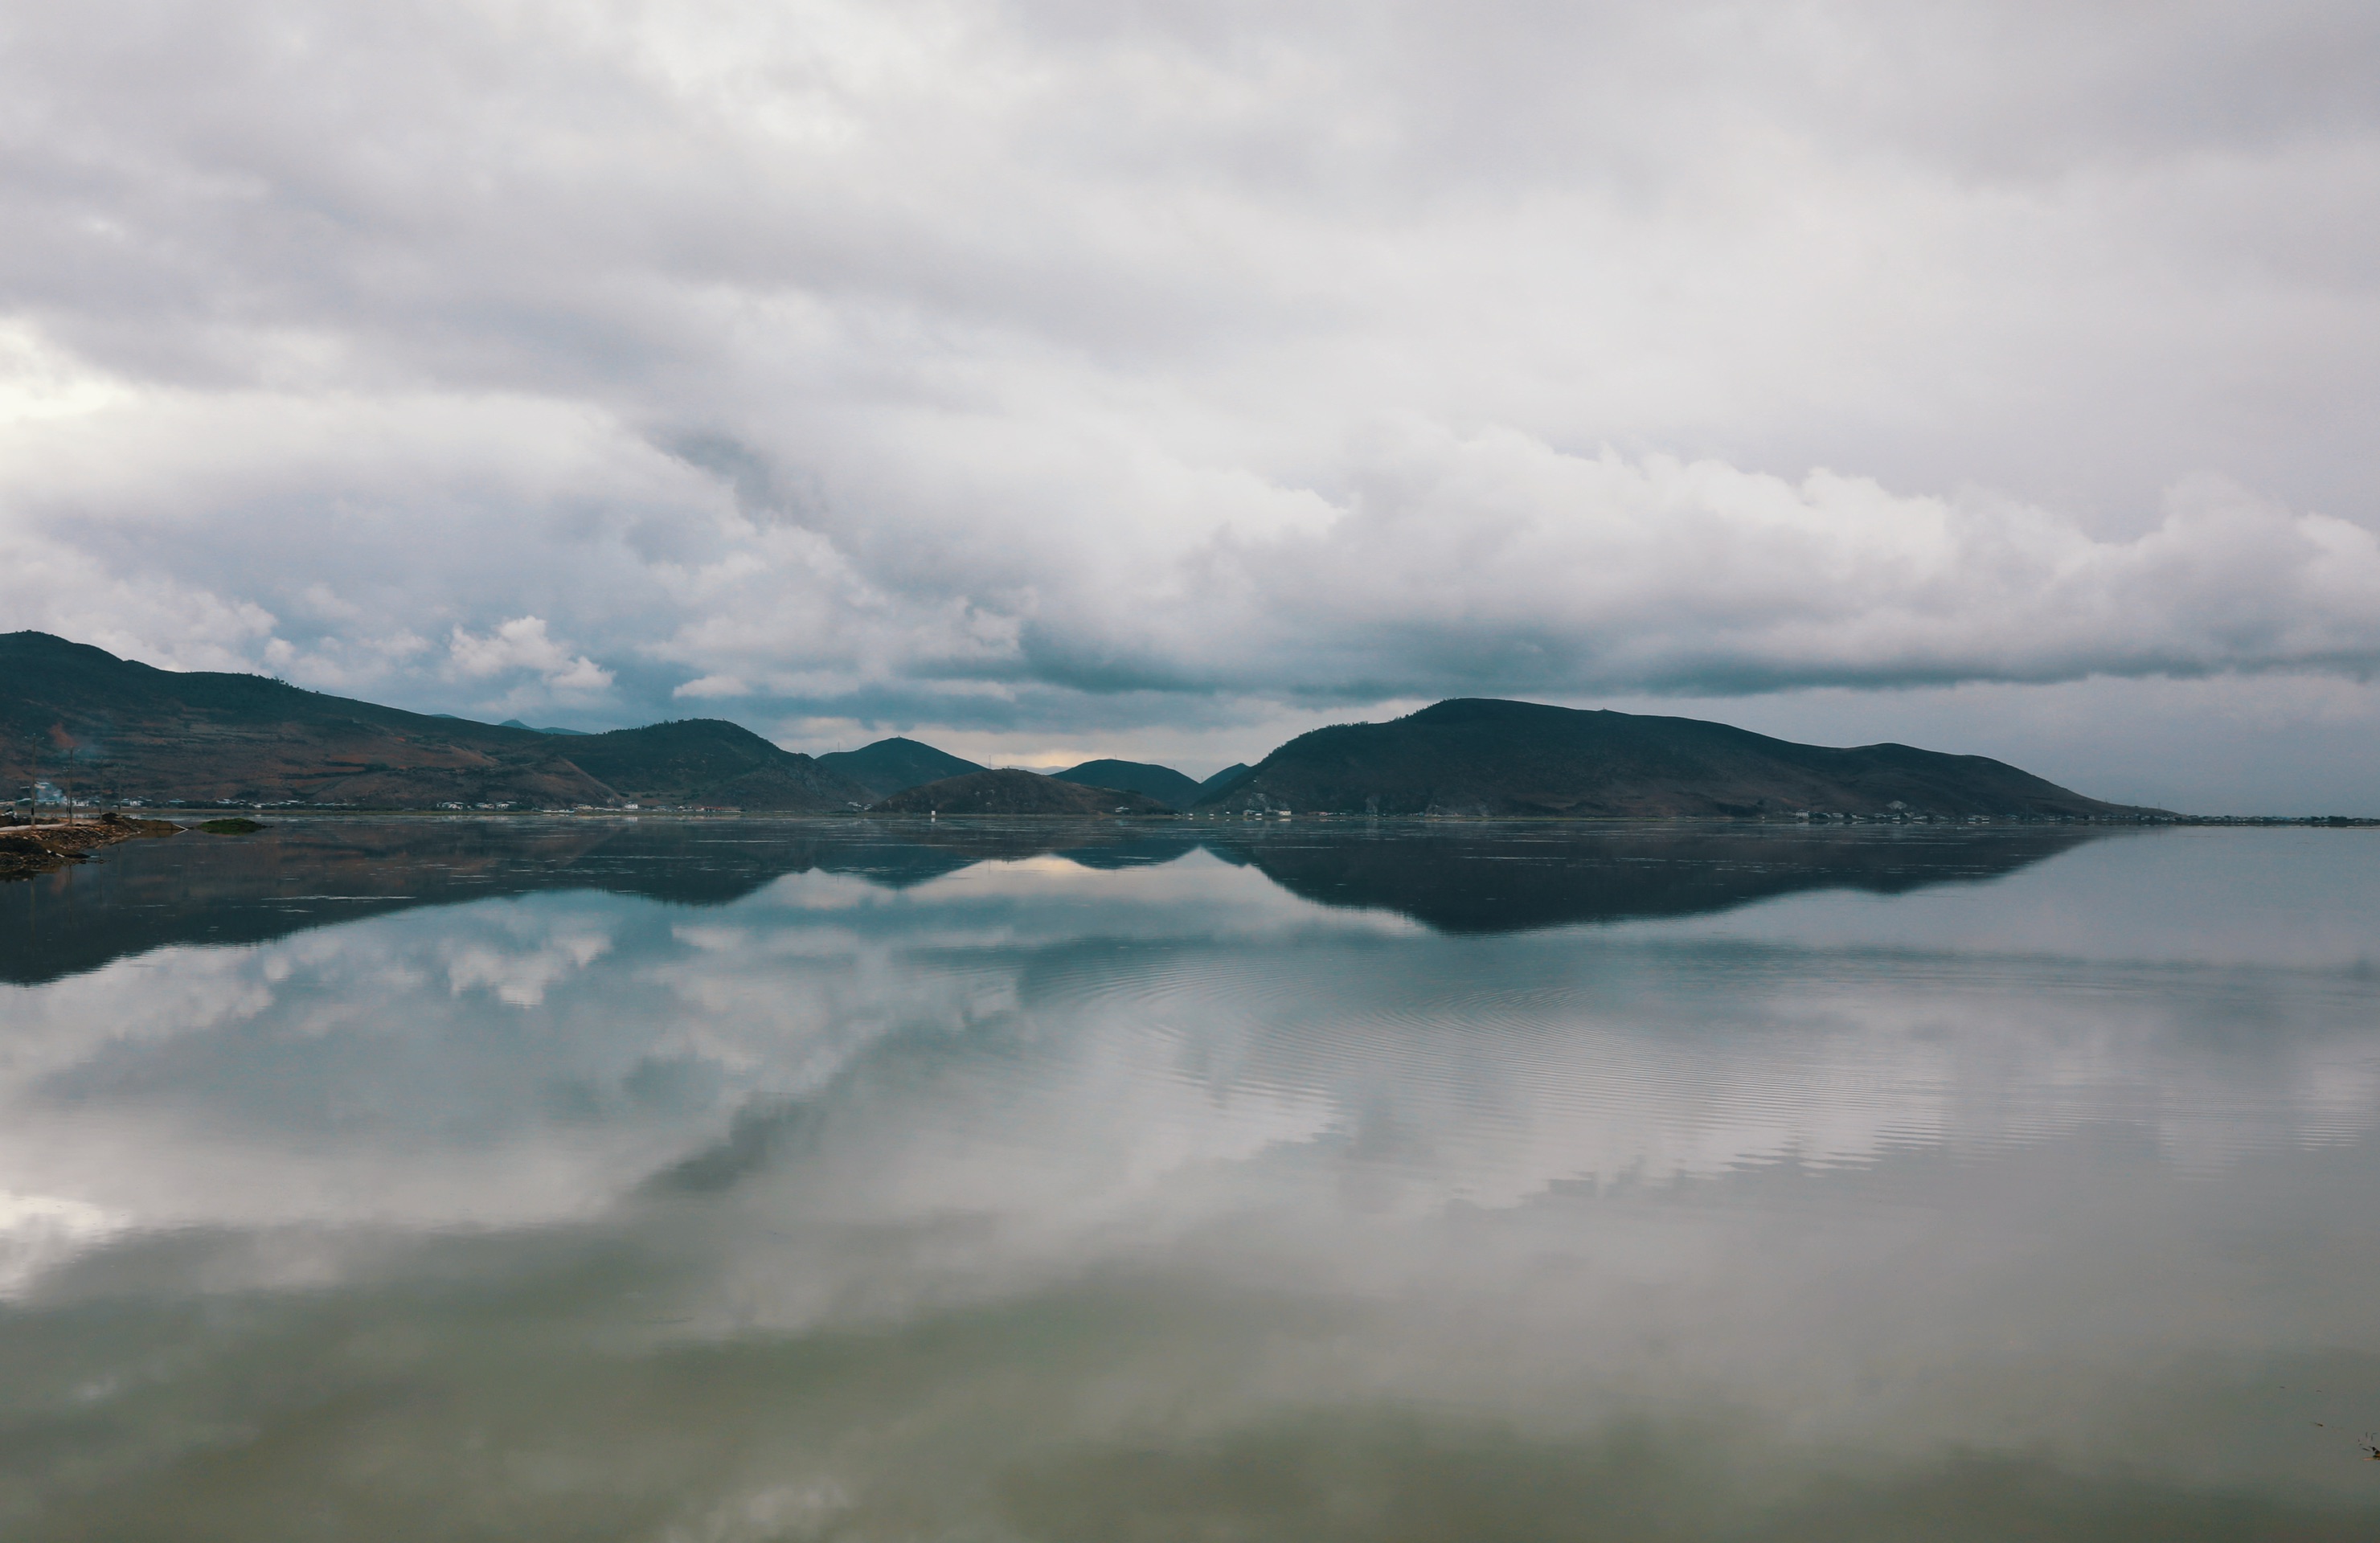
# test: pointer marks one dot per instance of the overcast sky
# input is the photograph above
(1055, 379)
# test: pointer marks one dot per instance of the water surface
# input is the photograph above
(752, 1180)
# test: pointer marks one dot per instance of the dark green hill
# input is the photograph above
(1161, 782)
(71, 713)
(1477, 757)
(891, 765)
(110, 724)
(710, 762)
(1222, 780)
(1011, 791)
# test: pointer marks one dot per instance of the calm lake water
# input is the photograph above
(712, 1182)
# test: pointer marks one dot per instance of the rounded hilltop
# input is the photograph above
(1482, 757)
(1009, 790)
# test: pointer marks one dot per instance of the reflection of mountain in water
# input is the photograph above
(1470, 879)
(1509, 878)
(304, 873)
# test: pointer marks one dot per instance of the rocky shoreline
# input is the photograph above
(26, 850)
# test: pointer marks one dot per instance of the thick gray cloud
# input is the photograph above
(1066, 378)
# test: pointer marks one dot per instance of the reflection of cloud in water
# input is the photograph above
(39, 1231)
(521, 976)
(1402, 1077)
(308, 873)
(492, 1064)
(1055, 1043)
(1054, 1199)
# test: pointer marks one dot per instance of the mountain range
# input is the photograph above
(82, 718)
(894, 766)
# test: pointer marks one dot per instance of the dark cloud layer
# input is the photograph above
(1088, 377)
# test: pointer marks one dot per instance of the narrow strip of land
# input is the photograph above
(26, 850)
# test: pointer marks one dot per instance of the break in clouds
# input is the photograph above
(1060, 369)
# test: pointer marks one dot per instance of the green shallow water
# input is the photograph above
(759, 1180)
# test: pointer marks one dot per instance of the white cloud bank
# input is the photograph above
(521, 644)
(1463, 566)
(1053, 372)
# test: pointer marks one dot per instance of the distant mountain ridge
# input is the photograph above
(79, 714)
(1472, 756)
(1223, 778)
(1161, 782)
(709, 762)
(894, 765)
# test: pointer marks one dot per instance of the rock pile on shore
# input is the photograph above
(26, 850)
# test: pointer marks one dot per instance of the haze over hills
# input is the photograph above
(1480, 757)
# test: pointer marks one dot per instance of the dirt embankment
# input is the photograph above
(26, 850)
